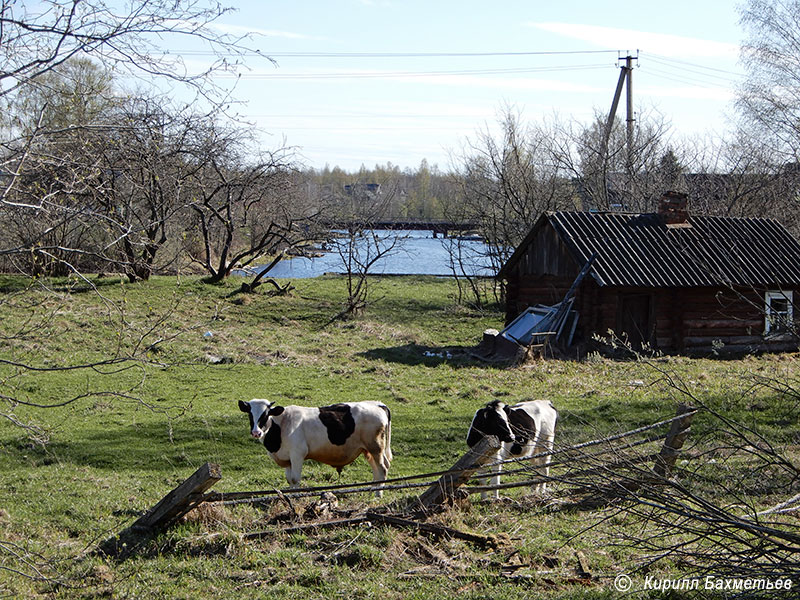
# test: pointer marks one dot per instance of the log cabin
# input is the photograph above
(666, 281)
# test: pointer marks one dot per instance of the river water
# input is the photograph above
(415, 253)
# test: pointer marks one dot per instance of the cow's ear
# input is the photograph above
(507, 408)
(244, 406)
(275, 411)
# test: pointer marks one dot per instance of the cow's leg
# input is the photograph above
(496, 470)
(542, 463)
(491, 476)
(377, 460)
(293, 472)
(386, 450)
(289, 476)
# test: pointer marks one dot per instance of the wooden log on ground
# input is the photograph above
(443, 491)
(483, 541)
(432, 528)
(302, 527)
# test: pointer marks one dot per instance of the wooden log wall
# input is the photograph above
(683, 319)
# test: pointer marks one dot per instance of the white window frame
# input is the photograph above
(769, 317)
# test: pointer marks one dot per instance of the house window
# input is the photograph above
(778, 312)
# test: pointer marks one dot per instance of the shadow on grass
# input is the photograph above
(10, 284)
(430, 356)
(147, 446)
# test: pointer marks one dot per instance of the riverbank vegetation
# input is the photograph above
(85, 450)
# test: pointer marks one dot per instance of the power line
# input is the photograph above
(389, 74)
(686, 80)
(365, 116)
(395, 54)
(709, 78)
(666, 59)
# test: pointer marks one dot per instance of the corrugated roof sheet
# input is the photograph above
(640, 250)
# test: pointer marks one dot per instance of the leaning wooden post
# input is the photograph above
(180, 500)
(665, 461)
(444, 489)
(171, 507)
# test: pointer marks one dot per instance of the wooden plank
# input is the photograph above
(180, 500)
(303, 527)
(583, 566)
(444, 489)
(710, 339)
(433, 528)
(384, 519)
(735, 324)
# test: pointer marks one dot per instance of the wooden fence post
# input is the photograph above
(171, 507)
(180, 500)
(665, 461)
(444, 489)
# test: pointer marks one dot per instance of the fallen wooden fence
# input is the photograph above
(193, 491)
(187, 496)
(372, 516)
(401, 483)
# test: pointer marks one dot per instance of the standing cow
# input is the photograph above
(335, 435)
(525, 429)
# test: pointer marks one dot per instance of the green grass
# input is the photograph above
(132, 430)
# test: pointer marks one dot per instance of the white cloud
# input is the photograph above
(666, 44)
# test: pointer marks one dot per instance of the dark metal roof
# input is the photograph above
(639, 250)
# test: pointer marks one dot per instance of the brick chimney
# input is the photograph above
(674, 208)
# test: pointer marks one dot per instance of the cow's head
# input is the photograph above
(491, 420)
(259, 412)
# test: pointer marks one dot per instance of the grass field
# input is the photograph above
(115, 438)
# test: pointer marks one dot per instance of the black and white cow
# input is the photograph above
(525, 429)
(334, 435)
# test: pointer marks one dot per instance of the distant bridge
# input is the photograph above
(437, 226)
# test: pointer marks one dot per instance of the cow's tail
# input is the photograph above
(387, 434)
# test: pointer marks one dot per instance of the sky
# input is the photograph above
(366, 82)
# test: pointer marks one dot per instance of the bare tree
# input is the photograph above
(769, 99)
(357, 209)
(246, 206)
(147, 179)
(38, 37)
(506, 182)
(600, 171)
(54, 77)
(53, 178)
(739, 176)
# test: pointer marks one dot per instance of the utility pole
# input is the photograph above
(625, 78)
(629, 121)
